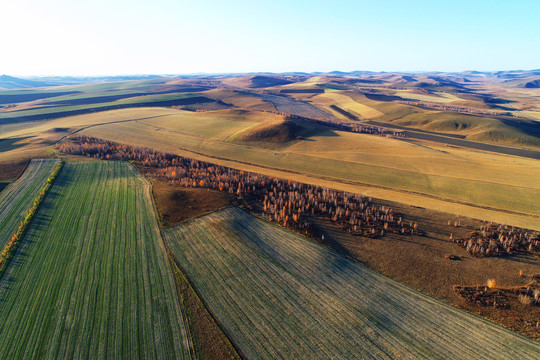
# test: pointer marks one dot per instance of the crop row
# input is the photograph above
(279, 295)
(19, 196)
(11, 246)
(90, 278)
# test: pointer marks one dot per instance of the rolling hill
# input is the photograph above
(10, 82)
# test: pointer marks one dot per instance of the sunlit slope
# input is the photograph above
(345, 102)
(215, 124)
(461, 181)
(279, 295)
(90, 278)
(18, 197)
(463, 176)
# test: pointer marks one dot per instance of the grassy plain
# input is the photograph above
(90, 278)
(455, 180)
(8, 117)
(19, 196)
(416, 173)
(277, 294)
(347, 103)
(460, 181)
(240, 99)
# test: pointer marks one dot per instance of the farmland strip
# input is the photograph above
(279, 295)
(90, 278)
(16, 199)
(11, 246)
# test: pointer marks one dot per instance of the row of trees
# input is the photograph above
(286, 202)
(498, 240)
(11, 246)
(446, 107)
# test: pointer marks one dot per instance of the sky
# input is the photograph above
(128, 37)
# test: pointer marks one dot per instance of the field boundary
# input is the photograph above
(170, 257)
(11, 247)
(226, 337)
(165, 250)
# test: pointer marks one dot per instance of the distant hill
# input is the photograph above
(535, 84)
(517, 74)
(9, 82)
(267, 81)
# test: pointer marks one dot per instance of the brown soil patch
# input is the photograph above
(176, 204)
(12, 170)
(424, 263)
(209, 342)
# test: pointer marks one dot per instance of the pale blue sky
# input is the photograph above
(106, 37)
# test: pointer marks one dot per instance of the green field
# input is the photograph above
(279, 295)
(15, 115)
(90, 278)
(18, 197)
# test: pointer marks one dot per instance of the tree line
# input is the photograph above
(498, 240)
(288, 203)
(9, 249)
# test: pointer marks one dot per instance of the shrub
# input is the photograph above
(525, 300)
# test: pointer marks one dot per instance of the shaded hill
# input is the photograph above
(272, 132)
(28, 95)
(516, 74)
(267, 81)
(535, 84)
(9, 82)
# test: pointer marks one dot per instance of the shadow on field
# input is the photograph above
(523, 259)
(12, 143)
(327, 133)
(331, 265)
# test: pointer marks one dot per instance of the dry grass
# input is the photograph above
(347, 103)
(271, 132)
(525, 300)
(241, 100)
(422, 262)
(12, 170)
(479, 184)
(456, 180)
(209, 342)
(279, 295)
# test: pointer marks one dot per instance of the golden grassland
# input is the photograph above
(438, 97)
(342, 100)
(416, 173)
(460, 181)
